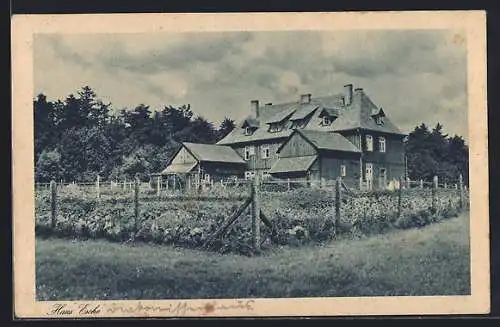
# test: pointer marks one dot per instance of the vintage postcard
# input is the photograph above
(263, 164)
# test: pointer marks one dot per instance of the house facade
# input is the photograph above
(317, 157)
(321, 138)
(203, 164)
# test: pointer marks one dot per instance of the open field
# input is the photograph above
(433, 260)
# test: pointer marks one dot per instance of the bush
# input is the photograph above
(300, 216)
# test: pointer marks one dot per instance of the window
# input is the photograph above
(342, 170)
(379, 120)
(265, 152)
(327, 120)
(381, 144)
(298, 124)
(207, 178)
(369, 143)
(273, 128)
(369, 171)
(249, 174)
(249, 151)
(265, 175)
(248, 130)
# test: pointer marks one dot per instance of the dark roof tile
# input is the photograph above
(214, 153)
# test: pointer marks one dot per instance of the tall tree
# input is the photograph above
(94, 110)
(199, 131)
(430, 153)
(43, 124)
(80, 136)
(225, 128)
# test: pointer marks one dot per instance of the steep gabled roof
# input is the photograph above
(266, 113)
(358, 114)
(330, 112)
(179, 168)
(250, 122)
(292, 164)
(213, 153)
(328, 141)
(282, 115)
(303, 111)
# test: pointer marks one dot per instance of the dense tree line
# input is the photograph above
(80, 137)
(429, 152)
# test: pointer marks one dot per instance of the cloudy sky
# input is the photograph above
(416, 76)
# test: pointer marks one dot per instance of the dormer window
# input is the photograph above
(249, 126)
(328, 116)
(327, 120)
(275, 127)
(378, 116)
(298, 124)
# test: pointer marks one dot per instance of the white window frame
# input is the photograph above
(249, 151)
(265, 152)
(343, 170)
(382, 144)
(248, 130)
(369, 142)
(274, 127)
(206, 177)
(249, 174)
(326, 120)
(369, 168)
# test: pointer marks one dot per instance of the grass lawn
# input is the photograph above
(433, 260)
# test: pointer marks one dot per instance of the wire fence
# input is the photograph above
(234, 187)
(215, 207)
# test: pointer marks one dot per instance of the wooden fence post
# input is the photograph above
(338, 199)
(53, 200)
(158, 185)
(136, 204)
(461, 184)
(434, 193)
(255, 193)
(125, 183)
(97, 185)
(421, 184)
(400, 195)
(407, 182)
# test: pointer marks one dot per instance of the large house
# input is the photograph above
(319, 139)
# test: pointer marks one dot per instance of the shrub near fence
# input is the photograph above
(298, 216)
(186, 220)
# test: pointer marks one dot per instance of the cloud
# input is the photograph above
(174, 56)
(416, 76)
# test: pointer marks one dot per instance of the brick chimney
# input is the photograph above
(347, 94)
(305, 98)
(254, 104)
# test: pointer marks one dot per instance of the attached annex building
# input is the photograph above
(315, 139)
